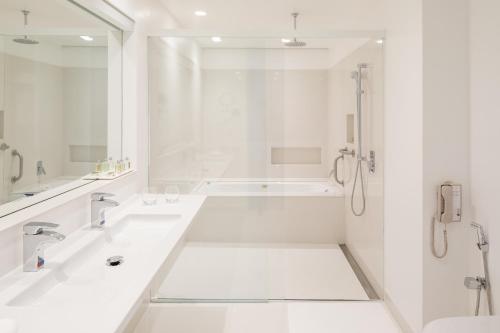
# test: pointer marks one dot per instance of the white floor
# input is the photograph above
(217, 271)
(274, 317)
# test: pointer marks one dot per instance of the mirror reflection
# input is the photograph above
(54, 105)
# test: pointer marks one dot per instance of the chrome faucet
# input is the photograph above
(36, 238)
(98, 204)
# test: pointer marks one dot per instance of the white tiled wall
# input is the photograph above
(246, 113)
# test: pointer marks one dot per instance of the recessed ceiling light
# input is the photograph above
(379, 41)
(285, 40)
(216, 39)
(200, 13)
(87, 38)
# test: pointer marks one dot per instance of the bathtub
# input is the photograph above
(269, 211)
(268, 187)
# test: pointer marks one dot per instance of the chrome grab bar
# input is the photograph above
(14, 179)
(334, 172)
(335, 168)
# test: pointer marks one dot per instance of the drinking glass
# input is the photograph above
(150, 196)
(172, 193)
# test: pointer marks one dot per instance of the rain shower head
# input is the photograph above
(295, 42)
(25, 39)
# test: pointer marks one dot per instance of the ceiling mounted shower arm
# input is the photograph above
(295, 15)
(295, 42)
(25, 13)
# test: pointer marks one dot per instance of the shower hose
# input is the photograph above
(359, 172)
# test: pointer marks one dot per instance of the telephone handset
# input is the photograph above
(449, 203)
(449, 209)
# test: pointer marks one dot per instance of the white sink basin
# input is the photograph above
(464, 325)
(83, 277)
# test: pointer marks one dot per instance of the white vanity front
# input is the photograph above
(80, 290)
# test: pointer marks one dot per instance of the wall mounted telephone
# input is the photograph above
(448, 209)
(449, 203)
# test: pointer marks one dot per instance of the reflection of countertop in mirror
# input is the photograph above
(43, 186)
(106, 176)
(76, 285)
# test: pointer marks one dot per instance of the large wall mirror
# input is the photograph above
(60, 98)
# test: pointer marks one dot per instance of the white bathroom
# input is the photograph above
(252, 166)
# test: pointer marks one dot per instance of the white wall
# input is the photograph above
(258, 99)
(364, 234)
(149, 15)
(246, 113)
(484, 120)
(403, 160)
(446, 151)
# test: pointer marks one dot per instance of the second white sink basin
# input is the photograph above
(84, 278)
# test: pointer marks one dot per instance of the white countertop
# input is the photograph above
(106, 317)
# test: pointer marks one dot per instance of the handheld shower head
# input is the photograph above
(482, 240)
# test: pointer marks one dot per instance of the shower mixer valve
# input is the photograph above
(371, 162)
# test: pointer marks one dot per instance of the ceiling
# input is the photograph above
(275, 14)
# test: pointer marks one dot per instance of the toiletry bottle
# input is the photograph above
(127, 163)
(118, 166)
(104, 166)
(98, 167)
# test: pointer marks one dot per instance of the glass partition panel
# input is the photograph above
(256, 125)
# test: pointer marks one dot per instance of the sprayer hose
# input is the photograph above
(359, 171)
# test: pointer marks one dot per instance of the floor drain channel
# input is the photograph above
(114, 261)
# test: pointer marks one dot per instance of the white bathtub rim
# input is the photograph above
(337, 190)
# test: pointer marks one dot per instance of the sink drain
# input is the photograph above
(114, 261)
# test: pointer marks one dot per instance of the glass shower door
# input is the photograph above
(253, 125)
